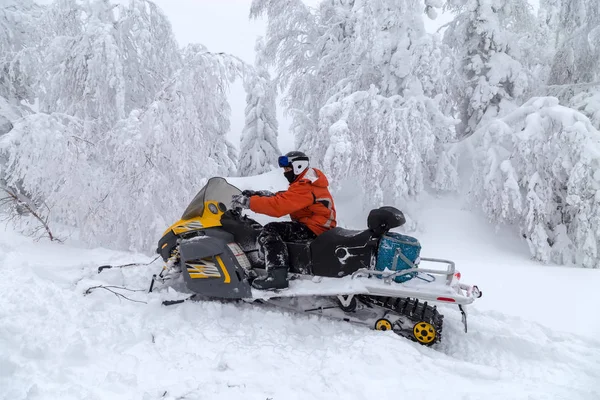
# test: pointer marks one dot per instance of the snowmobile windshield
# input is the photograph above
(216, 189)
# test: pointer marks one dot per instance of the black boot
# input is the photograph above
(276, 279)
(252, 275)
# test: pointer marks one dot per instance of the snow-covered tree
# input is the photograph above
(19, 31)
(19, 63)
(485, 34)
(538, 169)
(386, 144)
(536, 45)
(85, 76)
(8, 114)
(588, 103)
(49, 159)
(116, 63)
(151, 54)
(295, 56)
(575, 73)
(162, 154)
(124, 187)
(124, 115)
(353, 69)
(64, 18)
(578, 42)
(258, 143)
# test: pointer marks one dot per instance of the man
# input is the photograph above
(310, 206)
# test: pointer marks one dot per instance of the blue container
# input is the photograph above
(397, 252)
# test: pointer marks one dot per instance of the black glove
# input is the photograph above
(264, 193)
(240, 201)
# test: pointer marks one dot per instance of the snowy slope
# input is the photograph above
(532, 336)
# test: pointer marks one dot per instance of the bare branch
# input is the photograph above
(14, 197)
(90, 289)
(83, 140)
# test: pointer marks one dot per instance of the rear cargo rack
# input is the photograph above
(387, 276)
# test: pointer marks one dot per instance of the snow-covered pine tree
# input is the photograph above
(258, 143)
(538, 168)
(485, 35)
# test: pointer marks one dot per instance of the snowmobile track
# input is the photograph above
(412, 309)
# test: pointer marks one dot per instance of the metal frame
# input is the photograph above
(345, 300)
(387, 277)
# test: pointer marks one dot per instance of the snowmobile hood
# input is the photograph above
(315, 176)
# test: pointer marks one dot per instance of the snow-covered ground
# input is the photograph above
(533, 335)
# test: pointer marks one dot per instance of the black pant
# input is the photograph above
(272, 241)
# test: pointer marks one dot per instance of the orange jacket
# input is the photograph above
(307, 200)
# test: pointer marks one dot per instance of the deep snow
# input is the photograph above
(531, 336)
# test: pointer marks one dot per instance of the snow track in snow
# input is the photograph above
(538, 362)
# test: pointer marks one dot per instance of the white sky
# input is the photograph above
(220, 25)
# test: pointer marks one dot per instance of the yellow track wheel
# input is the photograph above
(424, 332)
(383, 325)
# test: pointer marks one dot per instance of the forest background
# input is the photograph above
(109, 125)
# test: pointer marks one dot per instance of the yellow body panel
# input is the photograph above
(205, 268)
(227, 277)
(207, 220)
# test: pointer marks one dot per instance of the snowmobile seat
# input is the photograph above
(340, 252)
(382, 219)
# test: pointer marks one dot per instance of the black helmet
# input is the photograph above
(297, 160)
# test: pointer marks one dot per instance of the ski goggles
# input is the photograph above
(285, 161)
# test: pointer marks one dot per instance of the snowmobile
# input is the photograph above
(372, 277)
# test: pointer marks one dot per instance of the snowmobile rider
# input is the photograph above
(310, 206)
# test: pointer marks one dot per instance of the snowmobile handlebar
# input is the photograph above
(236, 212)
